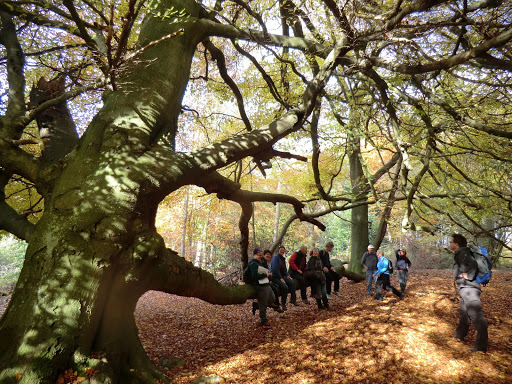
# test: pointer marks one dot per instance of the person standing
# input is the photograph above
(296, 270)
(282, 278)
(260, 281)
(382, 275)
(369, 261)
(330, 273)
(465, 269)
(402, 266)
(318, 280)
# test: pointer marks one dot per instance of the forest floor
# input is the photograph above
(359, 340)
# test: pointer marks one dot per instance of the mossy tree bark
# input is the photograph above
(95, 250)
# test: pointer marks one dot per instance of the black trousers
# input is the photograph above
(383, 283)
(303, 284)
(330, 277)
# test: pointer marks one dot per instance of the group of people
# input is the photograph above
(377, 268)
(273, 280)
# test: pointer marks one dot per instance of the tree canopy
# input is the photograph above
(107, 108)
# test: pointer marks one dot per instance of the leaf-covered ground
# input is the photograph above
(359, 340)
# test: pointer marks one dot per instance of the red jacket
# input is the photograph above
(297, 261)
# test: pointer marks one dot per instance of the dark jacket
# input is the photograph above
(278, 266)
(464, 262)
(315, 270)
(370, 260)
(297, 261)
(326, 259)
(398, 258)
(253, 267)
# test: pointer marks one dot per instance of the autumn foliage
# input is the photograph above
(359, 340)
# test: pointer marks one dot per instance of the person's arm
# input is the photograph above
(275, 265)
(382, 266)
(408, 262)
(468, 265)
(363, 260)
(292, 262)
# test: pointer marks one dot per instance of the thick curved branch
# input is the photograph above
(243, 225)
(15, 77)
(213, 28)
(16, 161)
(173, 274)
(228, 151)
(218, 56)
(10, 220)
(270, 83)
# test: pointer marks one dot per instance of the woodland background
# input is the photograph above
(146, 146)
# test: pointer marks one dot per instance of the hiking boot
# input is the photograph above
(336, 293)
(315, 296)
(473, 350)
(284, 307)
(255, 307)
(264, 323)
(458, 338)
(328, 297)
(305, 301)
(276, 308)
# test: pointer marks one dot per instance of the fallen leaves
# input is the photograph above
(359, 340)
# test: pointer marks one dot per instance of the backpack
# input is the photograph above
(246, 277)
(484, 264)
(390, 266)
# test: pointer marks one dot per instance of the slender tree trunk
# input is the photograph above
(277, 216)
(184, 225)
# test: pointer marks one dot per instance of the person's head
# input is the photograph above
(315, 252)
(380, 253)
(458, 241)
(257, 253)
(329, 246)
(267, 255)
(371, 248)
(282, 250)
(304, 249)
(402, 252)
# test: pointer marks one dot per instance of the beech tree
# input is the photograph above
(391, 74)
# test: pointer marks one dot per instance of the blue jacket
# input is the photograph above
(278, 267)
(382, 266)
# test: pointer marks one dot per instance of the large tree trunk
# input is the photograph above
(95, 250)
(359, 215)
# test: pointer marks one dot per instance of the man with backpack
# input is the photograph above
(384, 267)
(465, 271)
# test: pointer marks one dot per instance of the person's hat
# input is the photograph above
(371, 247)
(256, 251)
